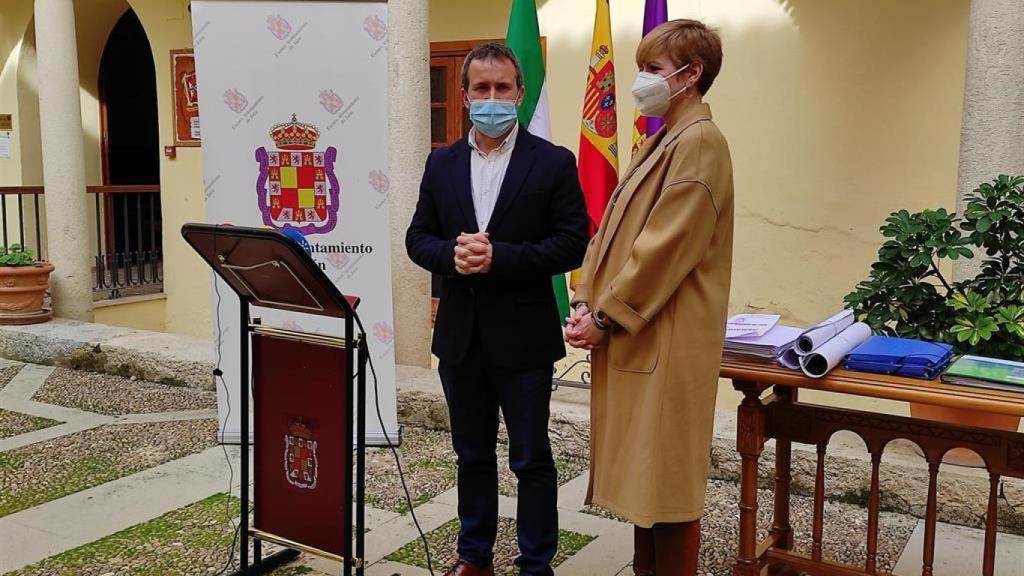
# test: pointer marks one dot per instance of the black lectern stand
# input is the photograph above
(304, 470)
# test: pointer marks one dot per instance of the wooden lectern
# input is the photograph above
(309, 402)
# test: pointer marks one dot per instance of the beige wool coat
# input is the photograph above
(660, 267)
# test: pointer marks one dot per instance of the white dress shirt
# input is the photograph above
(487, 172)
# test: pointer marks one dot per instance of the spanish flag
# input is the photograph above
(599, 144)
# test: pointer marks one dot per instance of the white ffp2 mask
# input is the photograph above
(652, 94)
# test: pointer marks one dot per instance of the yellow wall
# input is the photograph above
(93, 23)
(186, 279)
(28, 111)
(13, 23)
(17, 79)
(837, 113)
(187, 306)
(141, 314)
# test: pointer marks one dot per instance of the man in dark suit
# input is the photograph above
(500, 212)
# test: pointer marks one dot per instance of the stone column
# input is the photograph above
(992, 135)
(60, 119)
(409, 144)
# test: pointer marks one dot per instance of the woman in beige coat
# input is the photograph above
(652, 304)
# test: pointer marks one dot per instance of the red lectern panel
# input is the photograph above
(302, 457)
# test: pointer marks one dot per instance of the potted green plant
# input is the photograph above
(908, 295)
(23, 285)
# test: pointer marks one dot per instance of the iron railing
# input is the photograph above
(581, 367)
(127, 238)
(25, 200)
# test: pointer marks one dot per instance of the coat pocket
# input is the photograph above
(638, 354)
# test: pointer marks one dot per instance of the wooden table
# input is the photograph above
(782, 417)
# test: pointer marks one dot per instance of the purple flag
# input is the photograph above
(655, 14)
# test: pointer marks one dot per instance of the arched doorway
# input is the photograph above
(130, 258)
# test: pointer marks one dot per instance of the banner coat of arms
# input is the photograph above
(297, 187)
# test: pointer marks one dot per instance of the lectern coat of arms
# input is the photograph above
(300, 459)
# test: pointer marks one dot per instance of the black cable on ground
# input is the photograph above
(394, 450)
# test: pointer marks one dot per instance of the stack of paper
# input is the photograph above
(770, 346)
(750, 325)
(815, 351)
(989, 373)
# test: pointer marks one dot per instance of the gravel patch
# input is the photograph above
(845, 529)
(15, 423)
(443, 542)
(602, 513)
(7, 374)
(429, 465)
(115, 395)
(49, 470)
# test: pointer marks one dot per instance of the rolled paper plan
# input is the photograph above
(815, 337)
(831, 353)
(790, 359)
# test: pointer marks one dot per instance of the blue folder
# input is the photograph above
(900, 357)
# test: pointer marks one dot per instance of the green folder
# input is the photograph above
(991, 373)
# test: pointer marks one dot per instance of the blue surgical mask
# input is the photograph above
(493, 117)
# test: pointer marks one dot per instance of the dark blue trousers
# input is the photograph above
(475, 391)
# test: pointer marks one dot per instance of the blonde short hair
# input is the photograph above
(684, 41)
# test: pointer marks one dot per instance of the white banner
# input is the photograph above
(293, 103)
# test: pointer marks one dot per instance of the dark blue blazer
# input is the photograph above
(538, 229)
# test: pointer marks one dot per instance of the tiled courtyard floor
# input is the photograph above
(102, 476)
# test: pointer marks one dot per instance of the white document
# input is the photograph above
(831, 353)
(815, 337)
(5, 145)
(746, 325)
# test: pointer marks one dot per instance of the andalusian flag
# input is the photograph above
(524, 39)
(599, 148)
(655, 14)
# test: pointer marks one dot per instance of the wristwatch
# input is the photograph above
(601, 320)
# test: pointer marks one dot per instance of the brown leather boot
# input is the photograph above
(677, 548)
(643, 551)
(464, 568)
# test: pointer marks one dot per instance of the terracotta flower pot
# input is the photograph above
(21, 293)
(964, 417)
